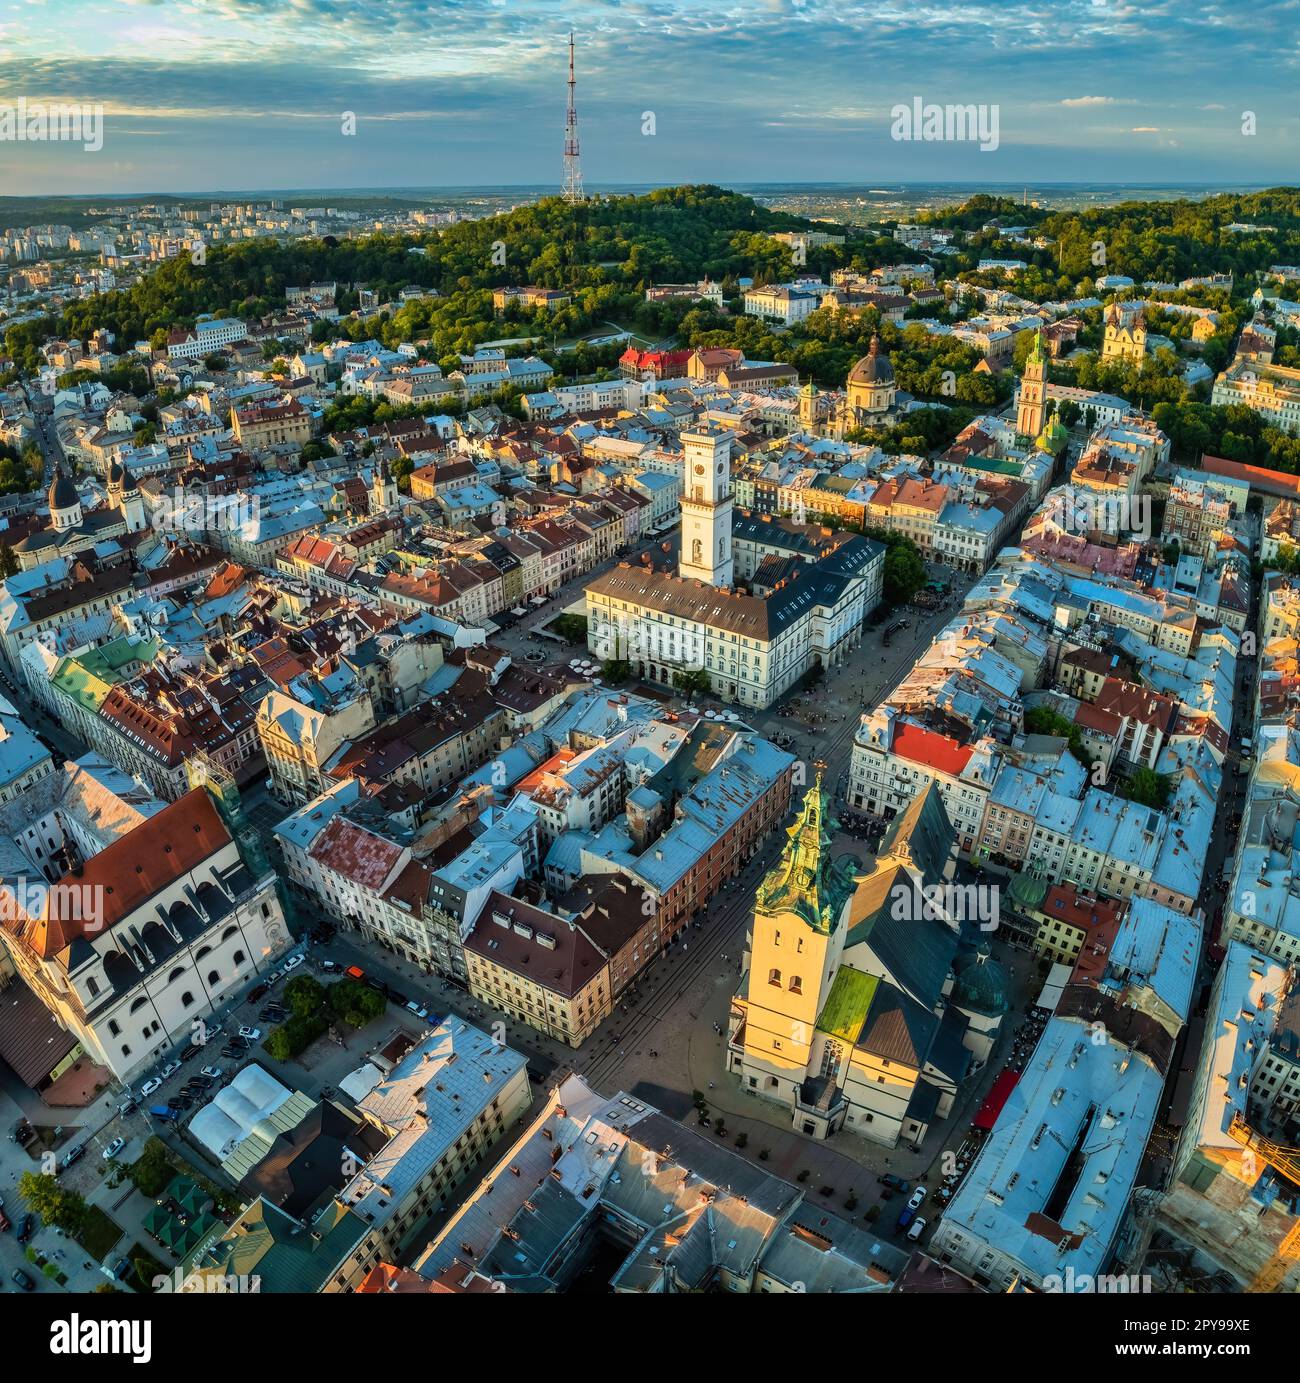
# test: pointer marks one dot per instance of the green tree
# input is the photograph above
(305, 995)
(56, 1204)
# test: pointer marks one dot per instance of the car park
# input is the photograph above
(113, 1149)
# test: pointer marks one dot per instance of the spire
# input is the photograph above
(1036, 354)
(805, 880)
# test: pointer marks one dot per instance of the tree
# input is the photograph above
(153, 1169)
(615, 671)
(1150, 788)
(693, 681)
(56, 1204)
(8, 562)
(305, 995)
(354, 1003)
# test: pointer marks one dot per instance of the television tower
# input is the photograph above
(572, 165)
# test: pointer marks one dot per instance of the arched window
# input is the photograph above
(176, 974)
(239, 958)
(796, 984)
(228, 933)
(201, 952)
(139, 1003)
(774, 977)
(187, 999)
(212, 977)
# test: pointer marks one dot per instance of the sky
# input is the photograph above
(204, 95)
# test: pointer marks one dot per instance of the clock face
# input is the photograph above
(699, 470)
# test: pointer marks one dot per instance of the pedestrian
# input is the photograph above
(710, 1085)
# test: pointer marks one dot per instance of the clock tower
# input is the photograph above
(706, 508)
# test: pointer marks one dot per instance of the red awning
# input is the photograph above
(997, 1097)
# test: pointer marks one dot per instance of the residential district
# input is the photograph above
(643, 829)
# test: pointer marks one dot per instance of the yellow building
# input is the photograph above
(870, 388)
(851, 978)
(1124, 336)
(1033, 387)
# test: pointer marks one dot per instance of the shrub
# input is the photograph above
(873, 1212)
(763, 1154)
(741, 1139)
(803, 1175)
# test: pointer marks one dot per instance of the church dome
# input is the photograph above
(115, 472)
(981, 985)
(63, 493)
(127, 480)
(873, 368)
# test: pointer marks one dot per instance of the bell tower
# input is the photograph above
(706, 508)
(1033, 391)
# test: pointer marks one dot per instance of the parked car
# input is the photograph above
(113, 1149)
(202, 1083)
(330, 966)
(896, 1182)
(128, 1106)
(26, 1228)
(23, 1280)
(250, 1034)
(395, 996)
(147, 1089)
(917, 1197)
(162, 1111)
(232, 1053)
(292, 963)
(4, 1220)
(918, 1226)
(189, 1051)
(257, 991)
(905, 1217)
(170, 1069)
(212, 1072)
(417, 1010)
(122, 1269)
(73, 1155)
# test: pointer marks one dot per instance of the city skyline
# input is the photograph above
(1099, 92)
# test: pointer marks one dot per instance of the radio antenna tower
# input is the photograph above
(572, 165)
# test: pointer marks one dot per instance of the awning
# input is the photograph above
(996, 1098)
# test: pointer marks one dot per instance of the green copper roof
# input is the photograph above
(805, 880)
(847, 1004)
(1054, 436)
(1036, 354)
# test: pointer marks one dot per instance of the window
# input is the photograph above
(796, 984)
(187, 999)
(774, 977)
(176, 974)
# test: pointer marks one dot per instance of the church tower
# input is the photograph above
(383, 490)
(124, 496)
(798, 938)
(808, 407)
(706, 508)
(1033, 391)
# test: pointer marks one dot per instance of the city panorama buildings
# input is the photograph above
(753, 606)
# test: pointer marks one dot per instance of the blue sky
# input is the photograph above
(210, 94)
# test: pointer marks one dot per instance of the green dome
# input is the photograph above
(981, 983)
(1053, 437)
